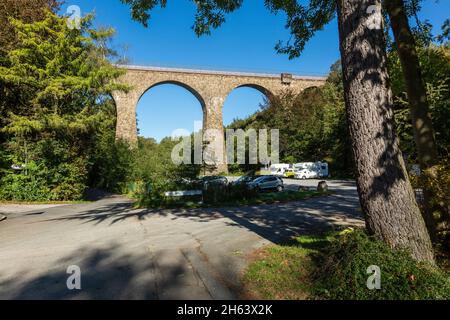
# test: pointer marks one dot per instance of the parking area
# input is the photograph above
(128, 253)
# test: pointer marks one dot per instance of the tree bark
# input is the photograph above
(417, 96)
(387, 198)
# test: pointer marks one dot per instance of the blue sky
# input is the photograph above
(244, 43)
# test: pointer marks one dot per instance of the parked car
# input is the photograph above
(201, 183)
(307, 174)
(267, 183)
(318, 169)
(214, 179)
(244, 180)
(289, 173)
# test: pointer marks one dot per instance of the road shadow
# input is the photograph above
(105, 274)
(275, 222)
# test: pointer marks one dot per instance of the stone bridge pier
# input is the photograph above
(211, 88)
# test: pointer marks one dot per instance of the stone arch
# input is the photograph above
(127, 102)
(312, 87)
(199, 97)
(307, 91)
(262, 89)
(184, 85)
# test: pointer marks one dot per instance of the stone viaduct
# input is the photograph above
(211, 88)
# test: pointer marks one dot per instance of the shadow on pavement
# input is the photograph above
(107, 275)
(274, 222)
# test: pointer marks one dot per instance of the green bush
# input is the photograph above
(241, 192)
(438, 184)
(342, 272)
(51, 171)
(111, 165)
(21, 187)
(60, 183)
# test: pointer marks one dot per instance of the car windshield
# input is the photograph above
(259, 179)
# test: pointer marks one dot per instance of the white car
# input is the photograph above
(307, 174)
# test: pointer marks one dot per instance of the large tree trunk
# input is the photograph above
(387, 198)
(417, 96)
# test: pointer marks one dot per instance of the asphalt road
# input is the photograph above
(125, 253)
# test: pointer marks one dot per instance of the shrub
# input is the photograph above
(21, 187)
(437, 181)
(215, 192)
(241, 192)
(112, 165)
(41, 181)
(342, 272)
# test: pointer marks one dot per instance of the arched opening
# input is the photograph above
(166, 107)
(243, 102)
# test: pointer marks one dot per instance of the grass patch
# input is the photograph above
(334, 266)
(282, 272)
(261, 198)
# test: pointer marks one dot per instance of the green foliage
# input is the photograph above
(241, 192)
(281, 272)
(25, 10)
(154, 172)
(55, 88)
(334, 266)
(153, 162)
(342, 272)
(112, 166)
(56, 165)
(437, 181)
(435, 65)
(110, 161)
(25, 187)
(444, 37)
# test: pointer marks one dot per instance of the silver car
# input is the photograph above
(267, 183)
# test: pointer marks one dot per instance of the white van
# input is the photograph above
(306, 174)
(279, 169)
(311, 170)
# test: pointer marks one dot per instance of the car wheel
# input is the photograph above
(304, 177)
(280, 188)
